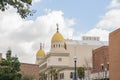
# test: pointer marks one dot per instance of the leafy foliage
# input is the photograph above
(43, 76)
(81, 72)
(53, 73)
(9, 68)
(22, 6)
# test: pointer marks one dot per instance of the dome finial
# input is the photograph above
(40, 45)
(57, 27)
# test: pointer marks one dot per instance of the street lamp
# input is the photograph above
(105, 73)
(75, 75)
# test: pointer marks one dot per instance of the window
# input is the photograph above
(59, 45)
(54, 46)
(61, 75)
(59, 59)
(102, 67)
(107, 66)
(71, 74)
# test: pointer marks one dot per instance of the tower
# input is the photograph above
(57, 42)
(40, 54)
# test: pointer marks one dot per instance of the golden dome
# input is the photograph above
(40, 53)
(57, 36)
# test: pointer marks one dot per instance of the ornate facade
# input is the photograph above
(58, 64)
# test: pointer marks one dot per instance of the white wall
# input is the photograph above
(53, 60)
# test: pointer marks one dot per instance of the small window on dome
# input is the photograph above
(53, 46)
(59, 45)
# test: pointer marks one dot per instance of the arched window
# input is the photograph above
(59, 45)
(53, 46)
(65, 46)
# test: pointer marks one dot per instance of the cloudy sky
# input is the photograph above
(75, 18)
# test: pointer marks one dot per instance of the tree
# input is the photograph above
(9, 68)
(81, 72)
(53, 73)
(43, 76)
(22, 6)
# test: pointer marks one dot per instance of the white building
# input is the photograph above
(59, 60)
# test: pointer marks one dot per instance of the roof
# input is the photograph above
(87, 42)
(40, 53)
(57, 37)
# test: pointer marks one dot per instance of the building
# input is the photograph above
(58, 63)
(100, 62)
(30, 70)
(114, 50)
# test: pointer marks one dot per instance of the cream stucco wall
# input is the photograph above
(54, 61)
(83, 53)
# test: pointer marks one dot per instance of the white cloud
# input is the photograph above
(114, 4)
(97, 32)
(24, 36)
(103, 34)
(111, 20)
(36, 1)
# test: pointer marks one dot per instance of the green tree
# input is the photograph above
(53, 73)
(9, 68)
(43, 76)
(81, 72)
(22, 6)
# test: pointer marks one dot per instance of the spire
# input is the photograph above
(40, 45)
(43, 45)
(57, 27)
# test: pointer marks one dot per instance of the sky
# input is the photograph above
(76, 18)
